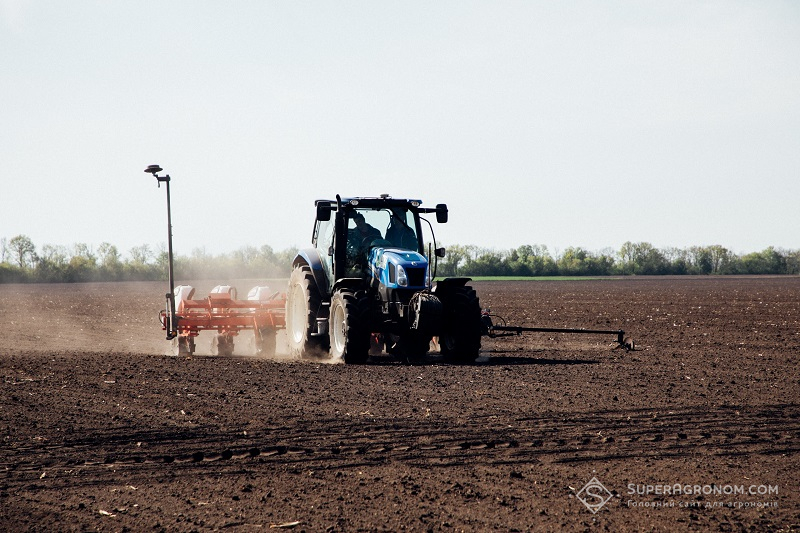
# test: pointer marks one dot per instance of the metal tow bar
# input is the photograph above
(492, 331)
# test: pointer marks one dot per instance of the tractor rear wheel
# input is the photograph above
(460, 340)
(302, 304)
(350, 331)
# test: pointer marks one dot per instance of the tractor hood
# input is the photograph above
(396, 268)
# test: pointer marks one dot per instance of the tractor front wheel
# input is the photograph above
(414, 346)
(350, 331)
(460, 341)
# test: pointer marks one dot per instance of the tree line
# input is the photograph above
(22, 262)
(640, 258)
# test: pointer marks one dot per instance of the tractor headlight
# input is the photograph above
(402, 279)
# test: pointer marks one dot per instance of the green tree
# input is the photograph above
(539, 260)
(140, 255)
(450, 265)
(111, 267)
(626, 258)
(516, 263)
(701, 260)
(284, 259)
(52, 263)
(83, 264)
(572, 262)
(769, 261)
(489, 263)
(678, 260)
(721, 259)
(793, 262)
(642, 258)
(22, 251)
(139, 266)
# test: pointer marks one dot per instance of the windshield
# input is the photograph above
(382, 227)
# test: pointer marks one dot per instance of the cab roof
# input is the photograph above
(371, 201)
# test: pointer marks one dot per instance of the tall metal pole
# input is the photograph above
(173, 329)
(172, 314)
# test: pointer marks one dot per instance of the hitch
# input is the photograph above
(490, 330)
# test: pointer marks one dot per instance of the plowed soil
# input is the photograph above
(697, 429)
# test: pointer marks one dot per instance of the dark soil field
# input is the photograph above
(698, 429)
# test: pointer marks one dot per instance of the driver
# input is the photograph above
(358, 239)
(399, 233)
(363, 231)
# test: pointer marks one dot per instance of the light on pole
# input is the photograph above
(172, 317)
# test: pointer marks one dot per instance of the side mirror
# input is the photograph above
(439, 252)
(441, 213)
(323, 211)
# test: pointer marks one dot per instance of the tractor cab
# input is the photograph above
(356, 238)
(369, 229)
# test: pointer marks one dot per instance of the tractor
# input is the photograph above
(366, 286)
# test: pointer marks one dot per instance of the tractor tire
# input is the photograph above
(413, 347)
(265, 342)
(350, 326)
(460, 340)
(302, 304)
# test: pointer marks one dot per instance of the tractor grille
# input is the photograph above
(416, 277)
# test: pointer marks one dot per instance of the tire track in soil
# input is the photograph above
(602, 435)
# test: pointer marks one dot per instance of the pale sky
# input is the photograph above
(558, 123)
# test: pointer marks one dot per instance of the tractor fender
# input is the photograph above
(349, 283)
(448, 284)
(310, 257)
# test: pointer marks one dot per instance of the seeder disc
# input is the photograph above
(628, 344)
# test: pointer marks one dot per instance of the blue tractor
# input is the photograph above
(367, 286)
